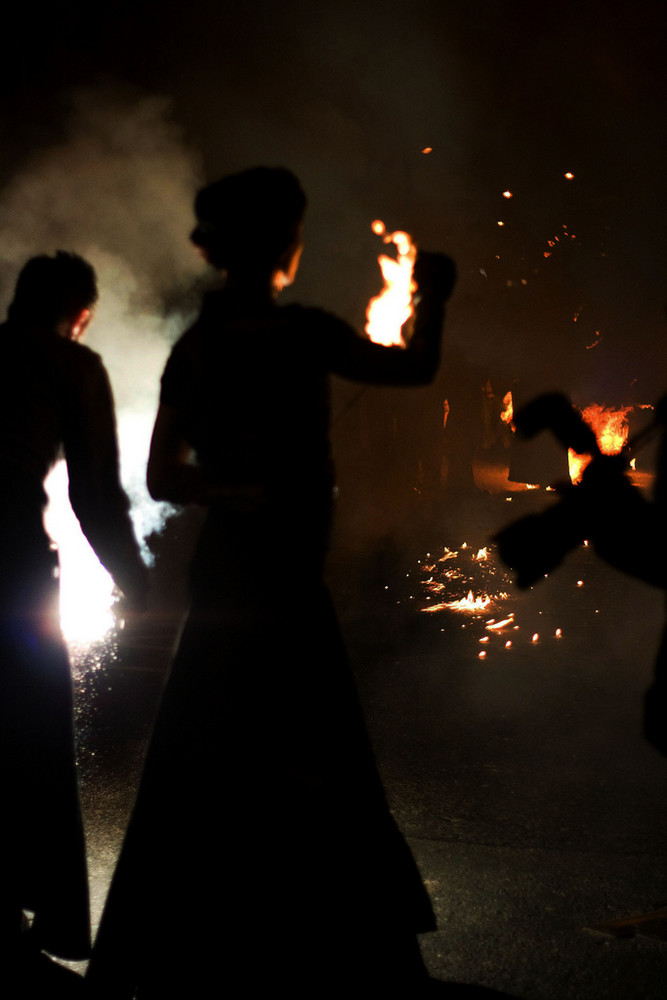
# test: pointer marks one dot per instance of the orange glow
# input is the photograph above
(508, 413)
(388, 311)
(427, 149)
(507, 194)
(611, 430)
(470, 604)
(494, 626)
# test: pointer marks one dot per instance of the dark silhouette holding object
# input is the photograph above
(56, 399)
(627, 530)
(261, 850)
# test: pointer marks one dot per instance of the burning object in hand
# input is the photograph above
(389, 310)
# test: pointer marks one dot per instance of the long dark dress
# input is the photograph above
(55, 398)
(261, 849)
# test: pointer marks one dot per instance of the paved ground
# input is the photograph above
(521, 780)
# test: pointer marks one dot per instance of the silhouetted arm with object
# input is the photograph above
(361, 360)
(97, 496)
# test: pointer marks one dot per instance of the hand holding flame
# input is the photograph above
(407, 277)
(435, 272)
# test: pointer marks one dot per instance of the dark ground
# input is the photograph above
(521, 780)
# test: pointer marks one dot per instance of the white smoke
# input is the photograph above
(117, 189)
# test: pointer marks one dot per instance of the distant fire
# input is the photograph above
(389, 310)
(610, 425)
(507, 416)
(611, 430)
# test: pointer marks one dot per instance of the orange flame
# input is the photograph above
(611, 430)
(507, 416)
(471, 604)
(389, 310)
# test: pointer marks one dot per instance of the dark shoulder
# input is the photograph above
(76, 353)
(39, 343)
(291, 321)
(75, 361)
(206, 326)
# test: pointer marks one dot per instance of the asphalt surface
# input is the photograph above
(520, 778)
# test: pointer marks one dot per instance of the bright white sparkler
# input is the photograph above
(86, 589)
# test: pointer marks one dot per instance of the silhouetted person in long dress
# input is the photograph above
(55, 399)
(261, 852)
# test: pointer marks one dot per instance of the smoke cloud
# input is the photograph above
(117, 189)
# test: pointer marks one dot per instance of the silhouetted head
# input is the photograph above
(56, 292)
(251, 220)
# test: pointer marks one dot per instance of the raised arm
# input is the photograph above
(361, 360)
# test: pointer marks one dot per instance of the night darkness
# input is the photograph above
(113, 114)
(509, 95)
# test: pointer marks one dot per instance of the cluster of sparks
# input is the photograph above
(461, 582)
(610, 424)
(550, 244)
